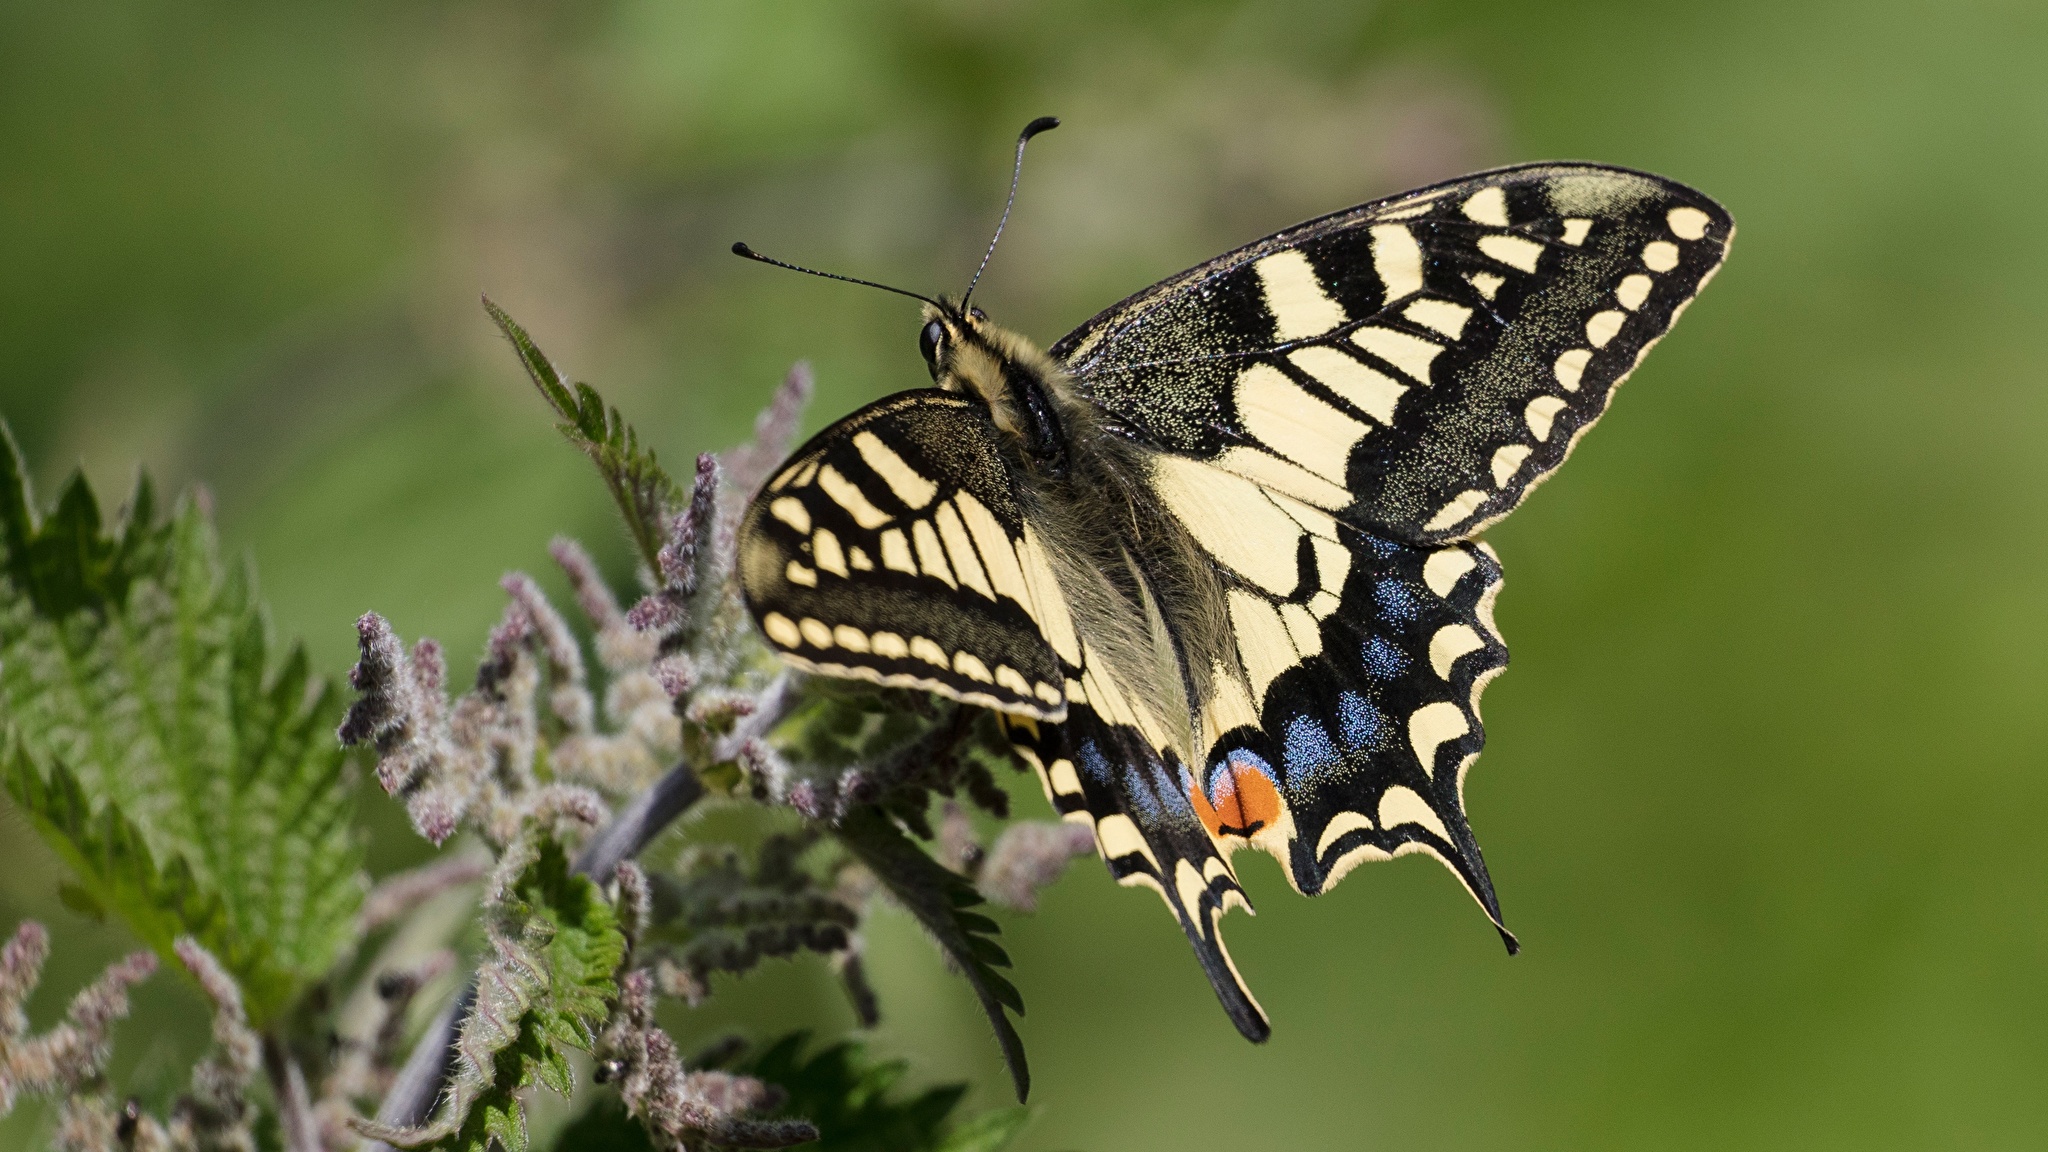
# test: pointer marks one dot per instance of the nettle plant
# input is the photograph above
(199, 787)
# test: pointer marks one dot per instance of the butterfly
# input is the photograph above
(1214, 555)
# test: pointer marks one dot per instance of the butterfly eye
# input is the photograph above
(928, 342)
(977, 313)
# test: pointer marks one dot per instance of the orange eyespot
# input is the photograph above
(1240, 799)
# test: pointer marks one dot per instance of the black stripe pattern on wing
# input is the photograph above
(891, 548)
(1415, 365)
(1363, 737)
(1137, 800)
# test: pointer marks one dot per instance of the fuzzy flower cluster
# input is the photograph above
(71, 1057)
(69, 1062)
(685, 1110)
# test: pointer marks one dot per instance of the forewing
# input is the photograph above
(1413, 366)
(891, 548)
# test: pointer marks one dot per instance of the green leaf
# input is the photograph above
(117, 872)
(646, 495)
(938, 898)
(194, 788)
(988, 1132)
(550, 988)
(850, 1099)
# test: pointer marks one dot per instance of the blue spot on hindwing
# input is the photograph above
(1396, 600)
(1361, 723)
(1309, 749)
(1094, 765)
(1383, 659)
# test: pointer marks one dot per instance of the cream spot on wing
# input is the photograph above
(1410, 209)
(805, 475)
(1333, 564)
(1441, 315)
(1295, 424)
(896, 552)
(1322, 604)
(928, 651)
(1487, 206)
(1460, 509)
(791, 511)
(850, 638)
(1077, 693)
(1450, 642)
(1120, 837)
(859, 560)
(889, 645)
(1484, 609)
(1570, 366)
(1262, 641)
(997, 553)
(1397, 258)
(909, 485)
(1506, 460)
(1514, 251)
(931, 555)
(1295, 297)
(1444, 569)
(1411, 354)
(848, 496)
(969, 665)
(796, 573)
(781, 629)
(1008, 677)
(1428, 727)
(1049, 604)
(1660, 255)
(1602, 327)
(1371, 392)
(1065, 781)
(1049, 694)
(1339, 825)
(1232, 520)
(1188, 884)
(1486, 282)
(825, 550)
(1215, 869)
(1400, 805)
(1575, 230)
(960, 550)
(1301, 628)
(1540, 412)
(1687, 223)
(815, 632)
(1363, 854)
(1633, 290)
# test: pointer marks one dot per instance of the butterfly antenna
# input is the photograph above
(739, 248)
(1042, 124)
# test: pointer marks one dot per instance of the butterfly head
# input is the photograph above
(968, 354)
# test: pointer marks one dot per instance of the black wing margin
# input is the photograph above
(1416, 365)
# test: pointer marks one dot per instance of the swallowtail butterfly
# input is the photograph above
(1214, 555)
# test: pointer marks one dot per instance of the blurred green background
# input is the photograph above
(1764, 792)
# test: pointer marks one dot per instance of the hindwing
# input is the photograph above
(1136, 798)
(1415, 365)
(891, 548)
